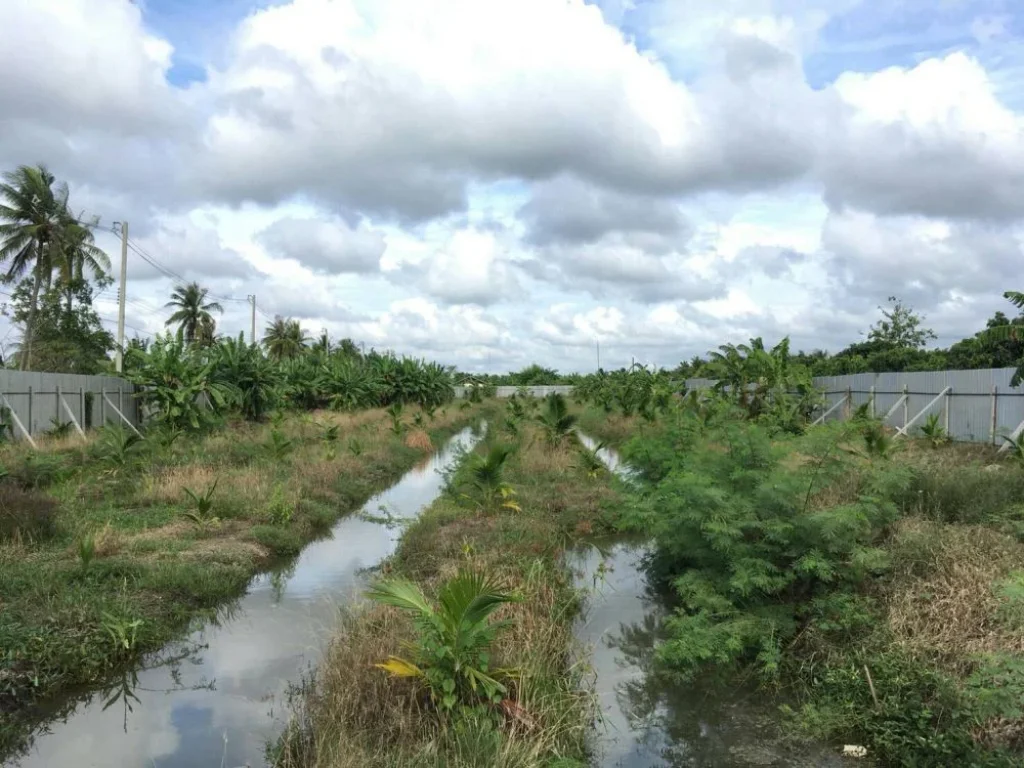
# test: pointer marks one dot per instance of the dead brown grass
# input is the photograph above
(169, 486)
(944, 603)
(419, 440)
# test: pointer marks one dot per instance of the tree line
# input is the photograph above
(52, 270)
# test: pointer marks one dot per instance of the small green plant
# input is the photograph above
(934, 432)
(487, 480)
(395, 412)
(123, 632)
(878, 444)
(330, 454)
(202, 505)
(451, 653)
(590, 460)
(280, 446)
(281, 508)
(1015, 446)
(86, 551)
(430, 411)
(510, 426)
(116, 447)
(556, 421)
(331, 432)
(59, 428)
(418, 421)
(355, 447)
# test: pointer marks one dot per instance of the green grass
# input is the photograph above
(53, 605)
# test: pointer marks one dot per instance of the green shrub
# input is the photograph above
(40, 470)
(746, 551)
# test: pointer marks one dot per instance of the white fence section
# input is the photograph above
(537, 391)
(38, 400)
(975, 406)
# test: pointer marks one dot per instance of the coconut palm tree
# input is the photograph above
(34, 220)
(79, 255)
(284, 338)
(192, 311)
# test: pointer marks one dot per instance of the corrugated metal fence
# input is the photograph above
(537, 391)
(38, 401)
(978, 406)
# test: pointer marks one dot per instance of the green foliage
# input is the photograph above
(395, 412)
(122, 631)
(177, 381)
(281, 507)
(744, 550)
(1015, 446)
(878, 444)
(485, 477)
(590, 460)
(201, 511)
(116, 446)
(60, 428)
(451, 653)
(243, 370)
(330, 432)
(193, 314)
(86, 551)
(555, 420)
(934, 432)
(355, 447)
(280, 446)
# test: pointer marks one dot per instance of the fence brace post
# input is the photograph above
(18, 423)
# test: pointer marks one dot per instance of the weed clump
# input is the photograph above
(26, 516)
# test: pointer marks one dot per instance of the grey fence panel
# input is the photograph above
(33, 397)
(536, 391)
(982, 405)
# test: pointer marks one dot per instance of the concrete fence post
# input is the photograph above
(56, 406)
(81, 408)
(994, 422)
(103, 405)
(906, 405)
(945, 412)
(871, 401)
(30, 410)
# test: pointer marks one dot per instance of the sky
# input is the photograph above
(493, 183)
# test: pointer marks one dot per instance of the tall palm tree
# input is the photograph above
(192, 311)
(34, 220)
(284, 338)
(80, 254)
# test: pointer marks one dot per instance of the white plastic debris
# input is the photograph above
(854, 750)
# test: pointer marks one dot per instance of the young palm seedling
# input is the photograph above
(451, 653)
(556, 421)
(1015, 446)
(116, 447)
(590, 460)
(487, 479)
(201, 512)
(280, 446)
(86, 551)
(331, 432)
(395, 412)
(934, 432)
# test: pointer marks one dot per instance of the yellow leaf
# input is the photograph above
(400, 667)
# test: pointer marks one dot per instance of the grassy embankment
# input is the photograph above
(880, 586)
(104, 554)
(354, 714)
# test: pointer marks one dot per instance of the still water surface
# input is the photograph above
(223, 700)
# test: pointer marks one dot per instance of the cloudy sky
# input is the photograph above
(497, 182)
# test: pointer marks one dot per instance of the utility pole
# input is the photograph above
(252, 325)
(119, 354)
(598, 342)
